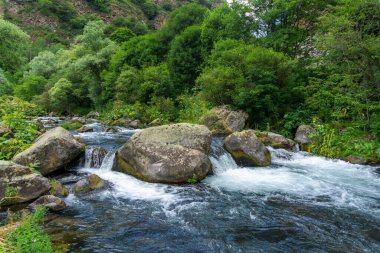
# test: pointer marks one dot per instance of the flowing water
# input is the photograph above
(302, 203)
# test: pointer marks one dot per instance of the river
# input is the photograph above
(301, 203)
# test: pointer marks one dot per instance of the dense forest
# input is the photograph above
(284, 62)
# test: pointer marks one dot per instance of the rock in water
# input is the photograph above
(247, 149)
(303, 136)
(18, 184)
(275, 140)
(95, 156)
(58, 189)
(356, 160)
(51, 202)
(167, 154)
(85, 129)
(222, 121)
(53, 150)
(90, 183)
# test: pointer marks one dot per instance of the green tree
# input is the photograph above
(62, 96)
(13, 46)
(225, 22)
(5, 85)
(122, 34)
(44, 64)
(258, 80)
(185, 58)
(346, 81)
(30, 87)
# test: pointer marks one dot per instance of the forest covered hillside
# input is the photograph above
(284, 62)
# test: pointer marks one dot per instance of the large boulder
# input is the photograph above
(247, 149)
(89, 183)
(223, 121)
(303, 136)
(275, 140)
(167, 154)
(51, 202)
(18, 184)
(53, 150)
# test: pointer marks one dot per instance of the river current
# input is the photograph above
(301, 203)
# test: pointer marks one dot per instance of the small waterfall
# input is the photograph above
(220, 158)
(108, 160)
(94, 156)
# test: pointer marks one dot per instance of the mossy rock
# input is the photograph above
(58, 189)
(90, 183)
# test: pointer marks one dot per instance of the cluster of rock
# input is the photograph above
(52, 151)
(161, 154)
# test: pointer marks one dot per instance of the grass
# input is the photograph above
(27, 235)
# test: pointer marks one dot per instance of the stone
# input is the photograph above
(53, 150)
(356, 160)
(303, 136)
(89, 183)
(18, 184)
(136, 124)
(167, 154)
(247, 149)
(122, 122)
(4, 130)
(85, 129)
(223, 121)
(51, 202)
(93, 115)
(58, 189)
(275, 140)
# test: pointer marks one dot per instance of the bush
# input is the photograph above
(335, 142)
(21, 137)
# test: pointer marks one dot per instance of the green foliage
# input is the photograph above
(101, 5)
(225, 23)
(44, 64)
(63, 10)
(185, 59)
(15, 105)
(13, 46)
(71, 125)
(10, 196)
(28, 236)
(149, 8)
(191, 108)
(137, 26)
(337, 142)
(183, 17)
(30, 87)
(257, 80)
(5, 85)
(122, 34)
(192, 180)
(21, 137)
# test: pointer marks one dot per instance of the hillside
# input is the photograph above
(58, 21)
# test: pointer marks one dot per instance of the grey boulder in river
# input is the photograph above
(247, 149)
(167, 154)
(52, 150)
